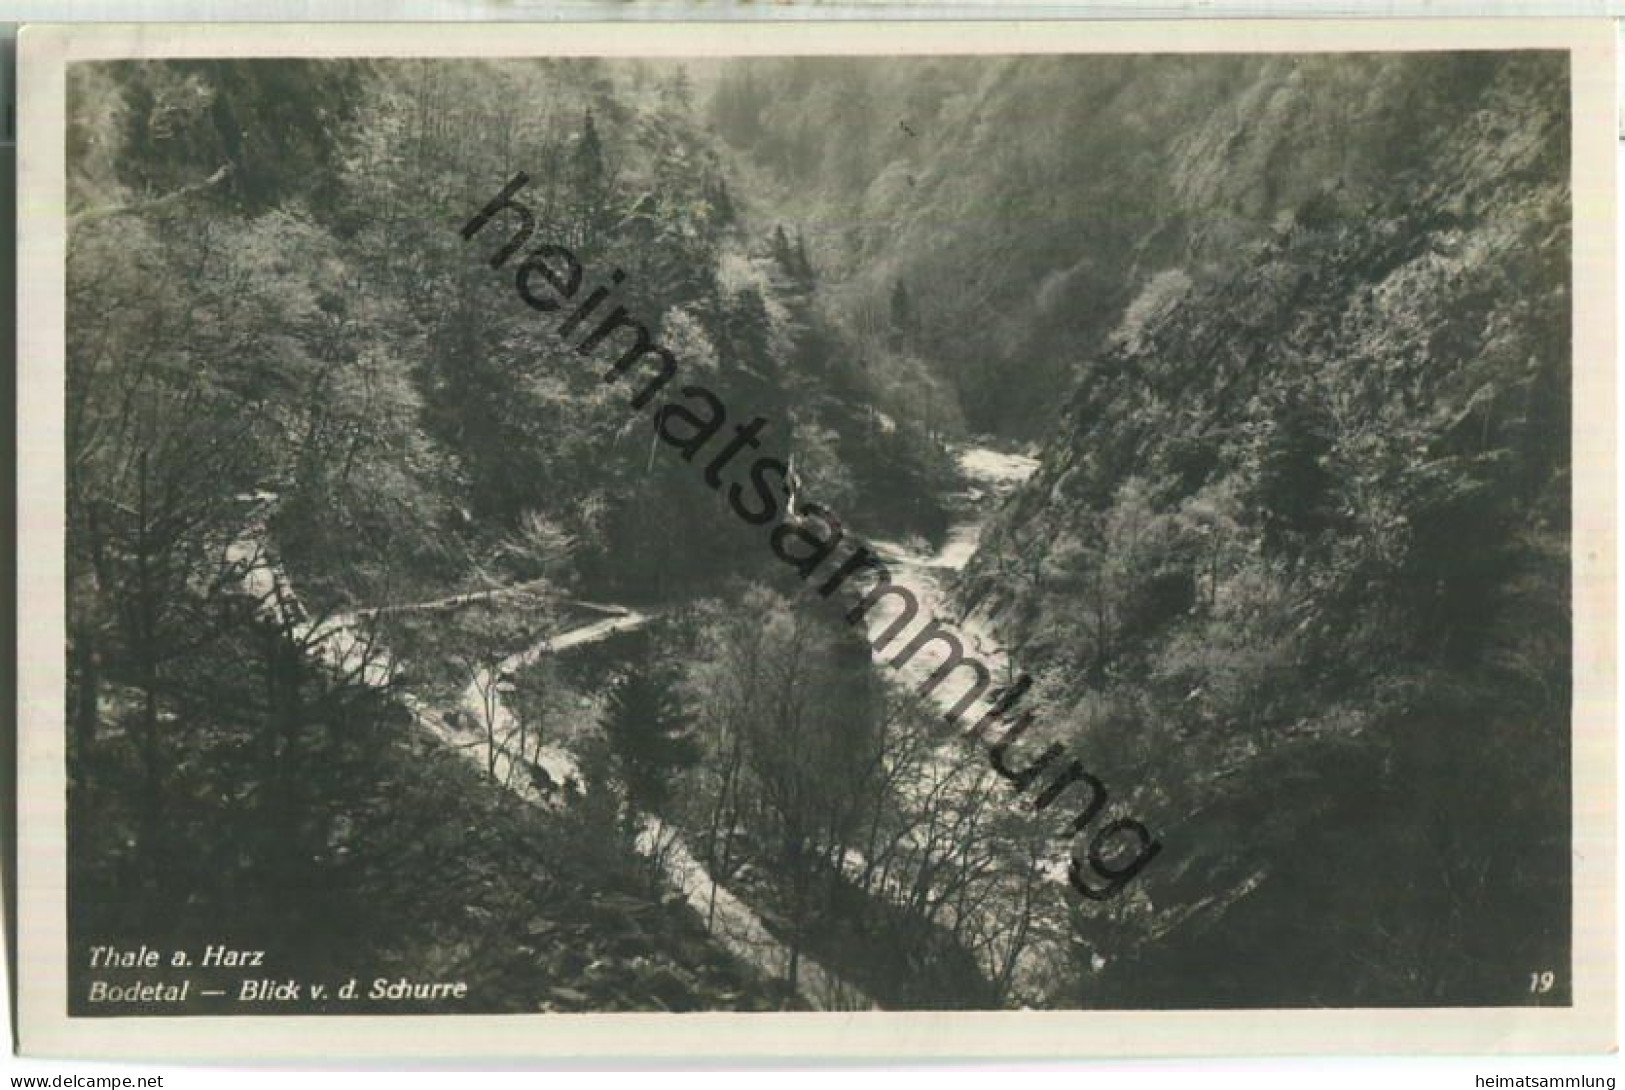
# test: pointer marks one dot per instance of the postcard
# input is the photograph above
(823, 541)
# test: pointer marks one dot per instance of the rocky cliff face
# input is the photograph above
(1294, 571)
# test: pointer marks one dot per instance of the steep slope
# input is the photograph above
(1294, 573)
(1023, 202)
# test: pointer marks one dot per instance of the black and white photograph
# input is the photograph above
(819, 531)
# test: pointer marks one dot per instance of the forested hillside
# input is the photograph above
(402, 640)
(275, 341)
(1296, 567)
(330, 487)
(1022, 203)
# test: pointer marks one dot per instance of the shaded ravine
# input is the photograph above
(338, 641)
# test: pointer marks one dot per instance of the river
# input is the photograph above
(991, 475)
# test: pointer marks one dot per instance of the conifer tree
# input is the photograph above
(782, 251)
(902, 316)
(648, 730)
(590, 178)
(803, 263)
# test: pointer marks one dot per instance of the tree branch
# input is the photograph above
(137, 208)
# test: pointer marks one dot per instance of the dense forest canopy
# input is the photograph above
(1027, 201)
(1287, 336)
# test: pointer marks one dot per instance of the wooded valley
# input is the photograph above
(1226, 396)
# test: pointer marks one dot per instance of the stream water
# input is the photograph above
(338, 640)
(993, 475)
